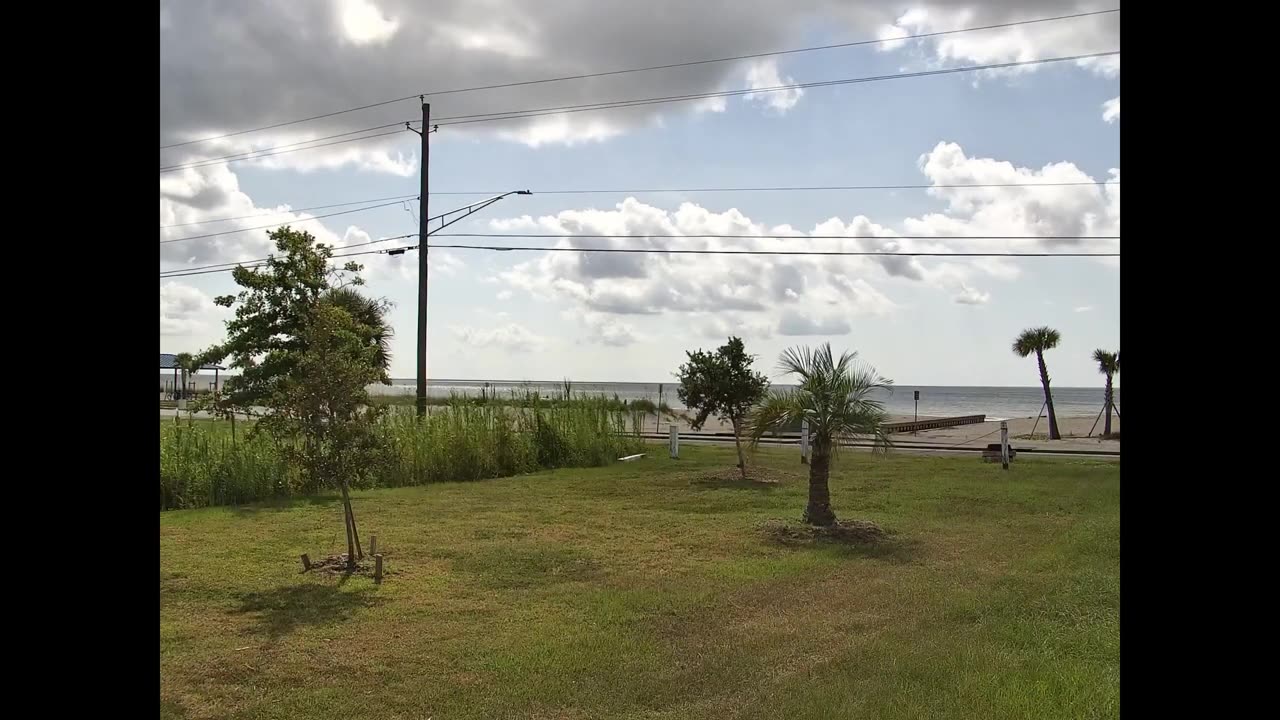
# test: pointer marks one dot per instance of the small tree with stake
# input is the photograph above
(722, 384)
(308, 346)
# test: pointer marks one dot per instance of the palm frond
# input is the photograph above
(1108, 362)
(779, 409)
(1036, 340)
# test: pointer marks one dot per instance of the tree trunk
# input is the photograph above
(355, 531)
(1106, 430)
(737, 440)
(819, 510)
(350, 520)
(1048, 397)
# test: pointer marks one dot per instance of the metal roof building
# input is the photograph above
(169, 361)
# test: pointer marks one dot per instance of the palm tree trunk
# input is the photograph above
(1048, 397)
(737, 440)
(1106, 429)
(819, 512)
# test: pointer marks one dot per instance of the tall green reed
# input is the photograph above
(201, 464)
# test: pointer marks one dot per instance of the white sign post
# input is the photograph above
(804, 442)
(1004, 444)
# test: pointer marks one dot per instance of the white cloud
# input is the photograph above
(818, 293)
(563, 130)
(510, 337)
(607, 330)
(1084, 308)
(364, 24)
(719, 326)
(504, 294)
(711, 104)
(1111, 110)
(444, 262)
(796, 323)
(762, 74)
(203, 194)
(188, 311)
(508, 42)
(1018, 43)
(972, 296)
(223, 64)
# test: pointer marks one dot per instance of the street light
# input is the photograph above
(462, 213)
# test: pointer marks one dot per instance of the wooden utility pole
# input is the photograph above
(422, 260)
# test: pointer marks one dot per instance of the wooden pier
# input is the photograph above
(933, 424)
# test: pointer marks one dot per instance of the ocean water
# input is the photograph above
(936, 401)
(994, 402)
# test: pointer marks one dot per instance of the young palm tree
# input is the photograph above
(1109, 365)
(372, 314)
(835, 396)
(187, 366)
(1037, 340)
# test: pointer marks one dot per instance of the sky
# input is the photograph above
(232, 65)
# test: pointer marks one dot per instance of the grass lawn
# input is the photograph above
(645, 590)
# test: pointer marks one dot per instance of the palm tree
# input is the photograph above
(1109, 365)
(1037, 340)
(188, 366)
(835, 396)
(372, 314)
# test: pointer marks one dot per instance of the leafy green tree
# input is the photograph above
(1038, 340)
(836, 397)
(722, 384)
(308, 346)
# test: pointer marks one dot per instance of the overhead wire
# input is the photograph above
(689, 63)
(605, 191)
(679, 251)
(275, 225)
(619, 104)
(291, 210)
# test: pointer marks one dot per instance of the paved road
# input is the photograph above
(906, 448)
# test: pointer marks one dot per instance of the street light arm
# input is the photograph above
(470, 210)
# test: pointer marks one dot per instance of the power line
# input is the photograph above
(813, 188)
(287, 145)
(256, 262)
(275, 225)
(589, 107)
(292, 210)
(671, 251)
(203, 163)
(221, 267)
(778, 237)
(690, 63)
(618, 104)
(809, 188)
(261, 264)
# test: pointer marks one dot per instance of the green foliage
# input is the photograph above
(836, 397)
(720, 383)
(1036, 340)
(308, 346)
(187, 366)
(199, 468)
(202, 465)
(1108, 362)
